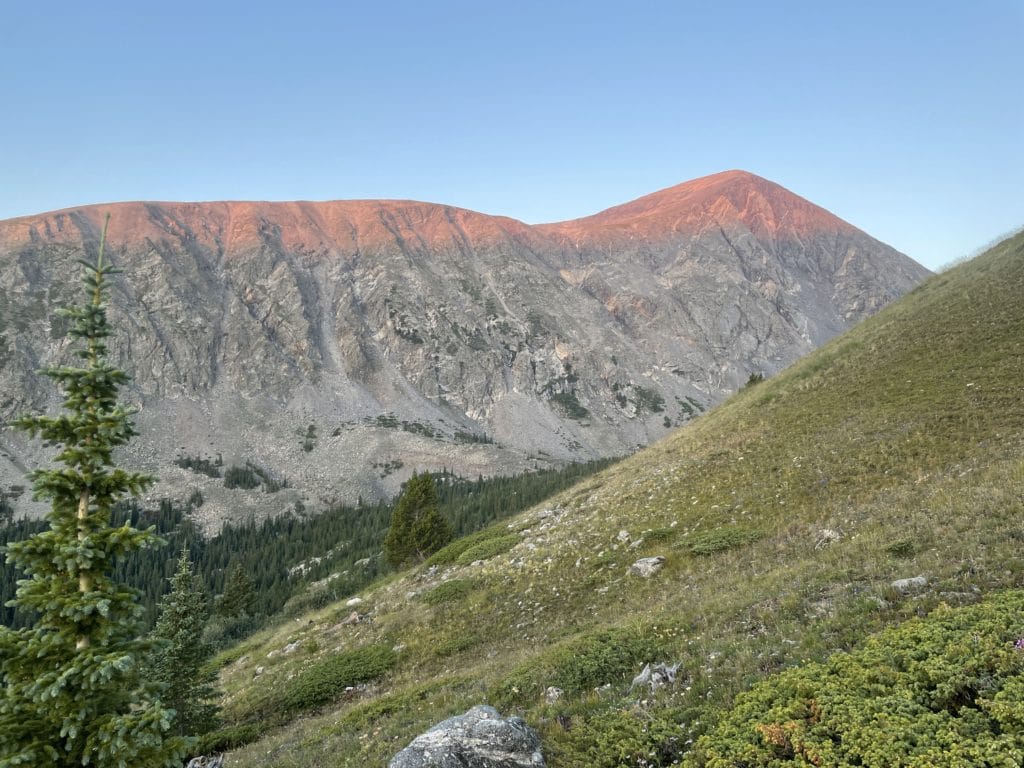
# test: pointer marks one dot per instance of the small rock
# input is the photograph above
(827, 536)
(353, 601)
(481, 738)
(654, 676)
(553, 694)
(259, 671)
(291, 647)
(903, 586)
(647, 566)
(623, 535)
(362, 563)
(353, 618)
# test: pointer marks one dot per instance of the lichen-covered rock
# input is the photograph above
(552, 694)
(646, 567)
(481, 738)
(655, 676)
(913, 584)
(827, 537)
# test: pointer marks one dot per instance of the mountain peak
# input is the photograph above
(362, 317)
(722, 200)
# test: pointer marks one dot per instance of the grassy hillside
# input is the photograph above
(784, 516)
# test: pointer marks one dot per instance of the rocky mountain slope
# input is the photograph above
(341, 345)
(877, 479)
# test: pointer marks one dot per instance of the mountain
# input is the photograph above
(879, 479)
(339, 346)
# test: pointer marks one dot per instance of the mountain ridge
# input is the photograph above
(724, 188)
(421, 336)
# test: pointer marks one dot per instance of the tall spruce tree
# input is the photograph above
(72, 692)
(239, 594)
(178, 661)
(417, 528)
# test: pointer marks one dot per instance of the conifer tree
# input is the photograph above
(237, 599)
(417, 528)
(180, 654)
(72, 693)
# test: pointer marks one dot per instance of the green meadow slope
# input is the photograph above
(784, 516)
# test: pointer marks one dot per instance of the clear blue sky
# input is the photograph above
(905, 118)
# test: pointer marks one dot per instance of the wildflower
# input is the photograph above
(1019, 645)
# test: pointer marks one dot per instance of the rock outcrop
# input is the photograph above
(646, 567)
(481, 738)
(343, 345)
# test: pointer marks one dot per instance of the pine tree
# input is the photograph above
(237, 599)
(72, 693)
(235, 608)
(417, 528)
(180, 653)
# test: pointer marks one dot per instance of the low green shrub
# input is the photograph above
(310, 599)
(227, 738)
(722, 539)
(328, 679)
(581, 664)
(364, 716)
(901, 548)
(942, 690)
(456, 643)
(450, 553)
(658, 535)
(450, 591)
(623, 737)
(230, 655)
(488, 549)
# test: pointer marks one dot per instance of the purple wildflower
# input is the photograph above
(1019, 645)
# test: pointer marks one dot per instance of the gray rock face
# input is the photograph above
(481, 738)
(646, 567)
(912, 584)
(655, 676)
(344, 345)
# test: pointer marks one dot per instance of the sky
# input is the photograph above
(904, 118)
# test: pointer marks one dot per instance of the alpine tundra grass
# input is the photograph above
(785, 516)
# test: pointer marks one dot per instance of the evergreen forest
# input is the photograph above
(286, 555)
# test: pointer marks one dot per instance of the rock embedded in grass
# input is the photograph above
(646, 567)
(913, 584)
(481, 738)
(827, 536)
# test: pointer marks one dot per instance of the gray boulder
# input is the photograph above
(481, 738)
(646, 567)
(913, 584)
(655, 676)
